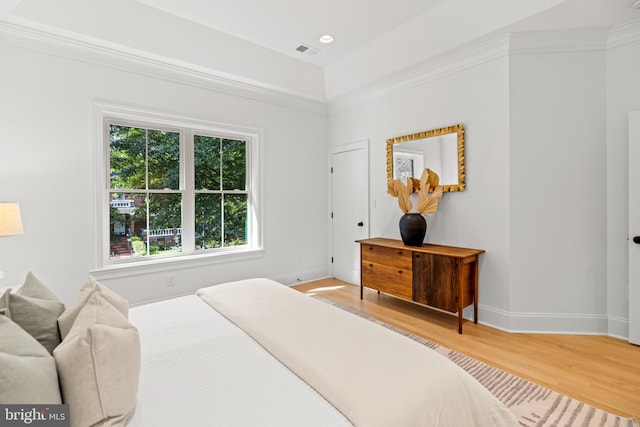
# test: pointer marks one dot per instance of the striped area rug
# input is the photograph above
(532, 404)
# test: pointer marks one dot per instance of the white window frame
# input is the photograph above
(103, 113)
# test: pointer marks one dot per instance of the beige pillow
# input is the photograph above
(27, 371)
(65, 321)
(99, 365)
(36, 309)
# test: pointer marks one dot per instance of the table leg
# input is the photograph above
(475, 291)
(459, 267)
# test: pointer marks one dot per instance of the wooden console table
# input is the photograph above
(443, 277)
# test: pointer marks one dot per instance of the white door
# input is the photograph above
(634, 227)
(349, 208)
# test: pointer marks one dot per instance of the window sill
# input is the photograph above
(159, 265)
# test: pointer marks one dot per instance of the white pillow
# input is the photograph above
(65, 321)
(99, 365)
(36, 309)
(27, 371)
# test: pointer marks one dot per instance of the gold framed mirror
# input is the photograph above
(441, 150)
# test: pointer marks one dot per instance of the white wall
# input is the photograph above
(475, 218)
(623, 96)
(558, 185)
(555, 236)
(46, 164)
(546, 180)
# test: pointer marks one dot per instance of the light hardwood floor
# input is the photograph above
(599, 370)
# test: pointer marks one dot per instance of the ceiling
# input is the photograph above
(354, 23)
(283, 25)
(293, 22)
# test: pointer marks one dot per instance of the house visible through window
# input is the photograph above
(175, 190)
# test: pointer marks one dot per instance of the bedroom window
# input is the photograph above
(173, 189)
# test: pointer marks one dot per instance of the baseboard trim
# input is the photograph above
(619, 327)
(301, 276)
(553, 323)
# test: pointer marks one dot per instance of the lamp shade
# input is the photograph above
(10, 220)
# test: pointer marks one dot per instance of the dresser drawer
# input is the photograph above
(388, 279)
(396, 257)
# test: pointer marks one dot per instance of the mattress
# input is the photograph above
(198, 369)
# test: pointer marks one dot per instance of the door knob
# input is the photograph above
(636, 239)
(361, 224)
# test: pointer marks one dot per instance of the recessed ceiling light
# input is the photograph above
(326, 39)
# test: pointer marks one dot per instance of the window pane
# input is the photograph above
(128, 219)
(165, 224)
(234, 164)
(208, 221)
(152, 184)
(164, 160)
(127, 152)
(206, 162)
(235, 220)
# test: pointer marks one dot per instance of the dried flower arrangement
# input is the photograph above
(427, 203)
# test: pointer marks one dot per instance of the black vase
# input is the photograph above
(413, 227)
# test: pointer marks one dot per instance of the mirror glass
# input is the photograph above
(441, 150)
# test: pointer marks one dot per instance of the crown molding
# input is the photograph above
(424, 72)
(624, 34)
(28, 35)
(558, 41)
(517, 43)
(36, 37)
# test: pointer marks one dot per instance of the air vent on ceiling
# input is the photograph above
(307, 49)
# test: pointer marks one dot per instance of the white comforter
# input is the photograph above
(199, 370)
(374, 376)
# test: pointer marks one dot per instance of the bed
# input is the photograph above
(257, 353)
(245, 353)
